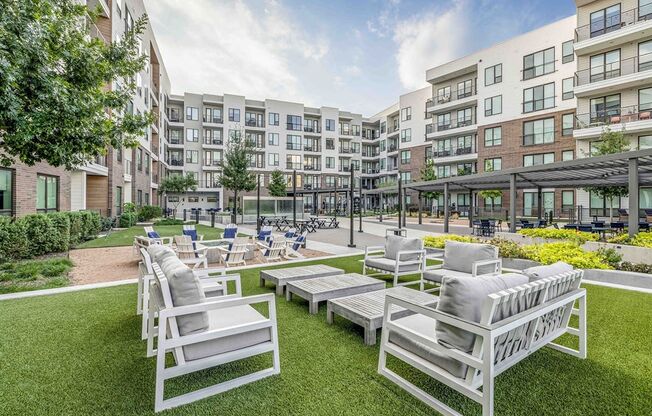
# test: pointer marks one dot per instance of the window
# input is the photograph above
(140, 198)
(272, 159)
(294, 122)
(235, 134)
(493, 105)
(406, 156)
(493, 74)
(6, 192)
(139, 159)
(567, 89)
(645, 99)
(330, 162)
(118, 154)
(192, 156)
(567, 201)
(47, 193)
(355, 130)
(644, 142)
(605, 66)
(383, 127)
(567, 52)
(192, 135)
(539, 131)
(211, 199)
(605, 20)
(293, 142)
(539, 97)
(538, 159)
(234, 114)
(406, 114)
(531, 203)
(212, 115)
(406, 177)
(444, 95)
(539, 63)
(147, 163)
(173, 199)
(567, 155)
(494, 203)
(644, 11)
(406, 135)
(272, 139)
(273, 119)
(192, 113)
(330, 124)
(193, 199)
(491, 165)
(146, 198)
(599, 205)
(465, 89)
(603, 108)
(567, 124)
(493, 136)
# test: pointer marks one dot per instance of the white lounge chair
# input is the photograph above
(234, 254)
(399, 256)
(293, 246)
(154, 237)
(481, 327)
(191, 231)
(463, 259)
(272, 250)
(205, 333)
(188, 252)
(230, 232)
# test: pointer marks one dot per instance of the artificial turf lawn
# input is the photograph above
(126, 237)
(81, 353)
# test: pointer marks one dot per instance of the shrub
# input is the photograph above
(13, 240)
(610, 256)
(638, 268)
(91, 224)
(169, 221)
(553, 233)
(59, 240)
(107, 223)
(76, 228)
(508, 249)
(439, 241)
(39, 231)
(127, 219)
(640, 240)
(566, 251)
(148, 212)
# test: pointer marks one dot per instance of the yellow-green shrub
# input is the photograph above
(439, 241)
(553, 233)
(640, 240)
(568, 252)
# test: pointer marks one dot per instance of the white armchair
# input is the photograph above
(399, 257)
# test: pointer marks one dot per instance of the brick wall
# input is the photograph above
(24, 195)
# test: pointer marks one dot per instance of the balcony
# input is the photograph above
(209, 184)
(372, 153)
(633, 119)
(624, 27)
(454, 99)
(345, 168)
(370, 136)
(293, 146)
(252, 122)
(175, 162)
(392, 130)
(370, 171)
(313, 148)
(346, 150)
(450, 127)
(294, 126)
(627, 73)
(214, 142)
(212, 120)
(314, 167)
(175, 141)
(293, 165)
(211, 164)
(311, 186)
(312, 129)
(448, 154)
(392, 148)
(346, 132)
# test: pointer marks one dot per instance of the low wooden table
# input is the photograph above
(368, 309)
(280, 277)
(325, 288)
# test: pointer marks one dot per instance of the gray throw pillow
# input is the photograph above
(461, 256)
(410, 244)
(541, 272)
(464, 297)
(160, 253)
(185, 289)
(392, 246)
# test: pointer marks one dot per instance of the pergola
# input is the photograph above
(632, 169)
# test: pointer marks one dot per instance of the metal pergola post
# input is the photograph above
(258, 205)
(351, 212)
(382, 206)
(400, 205)
(539, 202)
(633, 196)
(420, 209)
(471, 209)
(446, 208)
(294, 198)
(512, 203)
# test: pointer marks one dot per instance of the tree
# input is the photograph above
(235, 169)
(277, 185)
(491, 194)
(54, 102)
(177, 184)
(428, 173)
(610, 142)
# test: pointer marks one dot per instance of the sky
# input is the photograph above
(355, 55)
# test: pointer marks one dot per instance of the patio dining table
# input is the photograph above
(306, 225)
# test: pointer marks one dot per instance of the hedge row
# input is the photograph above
(39, 234)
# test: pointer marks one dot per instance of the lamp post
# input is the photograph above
(258, 205)
(294, 198)
(351, 186)
(400, 201)
(360, 206)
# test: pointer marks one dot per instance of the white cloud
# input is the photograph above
(428, 40)
(232, 47)
(382, 25)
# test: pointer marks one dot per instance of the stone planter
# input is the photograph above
(524, 239)
(632, 254)
(620, 277)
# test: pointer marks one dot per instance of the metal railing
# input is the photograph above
(372, 153)
(216, 163)
(614, 23)
(346, 150)
(613, 116)
(614, 69)
(312, 129)
(293, 146)
(454, 123)
(313, 148)
(312, 167)
(290, 165)
(214, 142)
(252, 122)
(392, 148)
(215, 120)
(175, 140)
(454, 95)
(175, 162)
(208, 184)
(447, 151)
(294, 126)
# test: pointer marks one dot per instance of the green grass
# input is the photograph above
(34, 275)
(126, 237)
(81, 353)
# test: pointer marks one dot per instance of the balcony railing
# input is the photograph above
(453, 123)
(293, 166)
(214, 163)
(614, 69)
(392, 130)
(392, 148)
(312, 167)
(453, 151)
(345, 168)
(214, 142)
(311, 186)
(214, 119)
(154, 178)
(373, 153)
(614, 23)
(209, 184)
(175, 140)
(346, 132)
(444, 98)
(613, 116)
(312, 129)
(293, 146)
(294, 126)
(100, 160)
(370, 170)
(370, 136)
(346, 150)
(252, 122)
(176, 162)
(312, 148)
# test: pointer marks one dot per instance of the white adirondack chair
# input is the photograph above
(235, 331)
(234, 254)
(293, 246)
(155, 238)
(513, 324)
(188, 252)
(273, 250)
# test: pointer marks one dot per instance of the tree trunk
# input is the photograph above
(234, 215)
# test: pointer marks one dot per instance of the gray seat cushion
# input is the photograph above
(461, 256)
(425, 326)
(388, 265)
(437, 275)
(464, 297)
(541, 272)
(224, 318)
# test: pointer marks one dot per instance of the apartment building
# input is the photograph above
(613, 82)
(506, 106)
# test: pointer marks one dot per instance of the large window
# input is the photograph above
(493, 136)
(531, 203)
(567, 202)
(539, 131)
(603, 108)
(567, 155)
(234, 114)
(605, 65)
(645, 55)
(645, 99)
(192, 113)
(212, 115)
(539, 63)
(192, 135)
(493, 105)
(494, 164)
(293, 142)
(465, 89)
(644, 142)
(406, 135)
(406, 113)
(493, 74)
(192, 156)
(6, 192)
(406, 157)
(567, 52)
(605, 20)
(538, 159)
(645, 9)
(538, 98)
(294, 122)
(599, 205)
(330, 124)
(47, 193)
(272, 139)
(273, 119)
(567, 124)
(567, 85)
(272, 159)
(212, 157)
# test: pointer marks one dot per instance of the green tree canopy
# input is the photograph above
(235, 168)
(54, 102)
(428, 173)
(177, 184)
(277, 185)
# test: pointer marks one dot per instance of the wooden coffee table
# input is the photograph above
(324, 288)
(280, 277)
(368, 309)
